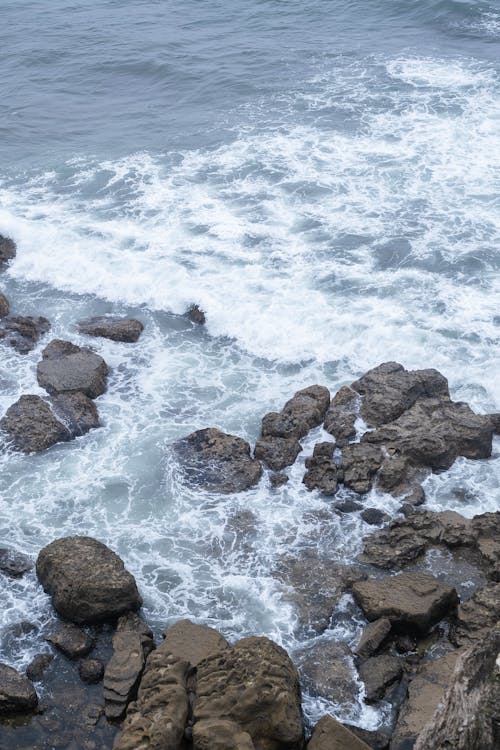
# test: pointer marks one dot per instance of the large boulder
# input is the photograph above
(413, 601)
(330, 734)
(23, 333)
(217, 462)
(17, 694)
(81, 371)
(87, 581)
(111, 327)
(31, 425)
(7, 249)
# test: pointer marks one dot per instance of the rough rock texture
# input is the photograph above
(87, 581)
(14, 563)
(37, 666)
(80, 371)
(372, 637)
(277, 452)
(91, 671)
(31, 425)
(217, 462)
(374, 516)
(17, 694)
(111, 327)
(72, 641)
(7, 249)
(220, 734)
(360, 462)
(348, 506)
(486, 529)
(408, 600)
(477, 616)
(468, 717)
(133, 621)
(196, 315)
(255, 685)
(192, 642)
(4, 306)
(77, 411)
(59, 348)
(123, 673)
(326, 669)
(378, 673)
(329, 734)
(23, 333)
(341, 416)
(321, 471)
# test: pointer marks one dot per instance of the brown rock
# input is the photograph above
(300, 414)
(374, 516)
(123, 673)
(72, 641)
(4, 306)
(220, 734)
(133, 621)
(17, 694)
(111, 327)
(378, 673)
(196, 315)
(477, 616)
(329, 734)
(360, 462)
(341, 416)
(192, 642)
(82, 371)
(23, 333)
(372, 637)
(77, 411)
(277, 452)
(321, 471)
(7, 249)
(31, 425)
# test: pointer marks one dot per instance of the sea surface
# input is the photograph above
(321, 178)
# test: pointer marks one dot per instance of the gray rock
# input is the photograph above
(37, 666)
(477, 616)
(23, 333)
(91, 671)
(72, 641)
(17, 694)
(300, 414)
(277, 452)
(77, 411)
(326, 670)
(111, 327)
(123, 673)
(378, 672)
(278, 480)
(374, 516)
(321, 471)
(7, 249)
(360, 462)
(31, 425)
(82, 371)
(341, 416)
(14, 563)
(58, 349)
(348, 506)
(372, 637)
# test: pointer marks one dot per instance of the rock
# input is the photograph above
(376, 740)
(196, 315)
(37, 666)
(300, 414)
(425, 692)
(14, 563)
(348, 506)
(398, 477)
(330, 734)
(31, 425)
(277, 452)
(477, 616)
(23, 333)
(81, 371)
(341, 416)
(132, 621)
(360, 462)
(278, 480)
(389, 390)
(220, 734)
(495, 422)
(378, 672)
(409, 600)
(486, 530)
(372, 637)
(126, 330)
(321, 470)
(326, 670)
(7, 249)
(17, 694)
(91, 671)
(374, 516)
(254, 685)
(58, 349)
(87, 581)
(77, 411)
(123, 673)
(217, 462)
(192, 642)
(4, 306)
(72, 641)
(468, 715)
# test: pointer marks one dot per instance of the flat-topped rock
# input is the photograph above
(17, 694)
(82, 371)
(23, 333)
(32, 426)
(87, 581)
(112, 327)
(192, 642)
(7, 249)
(330, 734)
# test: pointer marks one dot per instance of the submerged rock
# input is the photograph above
(23, 333)
(7, 249)
(17, 694)
(330, 734)
(91, 671)
(32, 426)
(87, 581)
(37, 666)
(14, 563)
(111, 327)
(81, 371)
(326, 669)
(72, 641)
(217, 462)
(196, 315)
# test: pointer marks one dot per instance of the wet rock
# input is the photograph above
(277, 452)
(132, 621)
(254, 685)
(81, 371)
(77, 411)
(87, 581)
(477, 616)
(300, 414)
(360, 462)
(330, 734)
(196, 315)
(468, 715)
(72, 641)
(192, 642)
(348, 506)
(4, 306)
(37, 666)
(58, 349)
(495, 422)
(372, 637)
(111, 327)
(374, 516)
(14, 563)
(17, 694)
(398, 477)
(409, 600)
(321, 471)
(91, 714)
(123, 673)
(377, 673)
(23, 333)
(7, 249)
(217, 462)
(389, 390)
(341, 416)
(31, 425)
(326, 669)
(91, 671)
(376, 740)
(278, 480)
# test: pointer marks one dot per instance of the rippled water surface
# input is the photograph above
(322, 178)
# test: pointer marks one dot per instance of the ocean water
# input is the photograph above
(322, 178)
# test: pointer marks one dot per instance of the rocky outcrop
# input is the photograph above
(340, 419)
(72, 641)
(126, 330)
(372, 637)
(409, 600)
(4, 306)
(31, 425)
(321, 471)
(477, 616)
(14, 563)
(17, 694)
(329, 734)
(23, 333)
(79, 371)
(7, 249)
(217, 462)
(377, 673)
(467, 717)
(87, 581)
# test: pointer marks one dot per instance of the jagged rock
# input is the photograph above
(87, 581)
(196, 315)
(77, 411)
(278, 480)
(111, 327)
(321, 471)
(91, 671)
(81, 371)
(31, 425)
(217, 462)
(277, 452)
(372, 637)
(123, 673)
(14, 563)
(341, 416)
(469, 712)
(37, 666)
(326, 670)
(408, 600)
(23, 333)
(374, 516)
(360, 462)
(192, 642)
(389, 390)
(330, 734)
(17, 694)
(477, 616)
(72, 641)
(255, 685)
(398, 477)
(7, 249)
(4, 306)
(378, 672)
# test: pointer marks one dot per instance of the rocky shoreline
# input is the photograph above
(427, 650)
